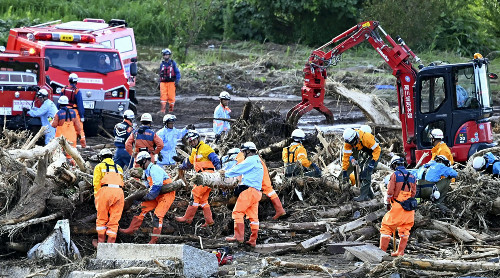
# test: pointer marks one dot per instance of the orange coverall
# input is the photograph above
(148, 139)
(67, 125)
(442, 149)
(109, 198)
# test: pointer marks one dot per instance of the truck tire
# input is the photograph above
(91, 127)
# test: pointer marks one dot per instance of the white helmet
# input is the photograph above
(166, 51)
(169, 118)
(350, 135)
(146, 117)
(478, 163)
(129, 114)
(224, 95)
(142, 156)
(396, 161)
(42, 93)
(63, 100)
(298, 135)
(191, 135)
(248, 146)
(437, 134)
(233, 151)
(366, 129)
(73, 78)
(105, 151)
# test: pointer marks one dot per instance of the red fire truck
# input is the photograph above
(103, 55)
(21, 76)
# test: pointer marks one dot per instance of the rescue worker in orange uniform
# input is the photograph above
(360, 148)
(144, 139)
(156, 177)
(75, 97)
(109, 198)
(297, 152)
(440, 147)
(248, 193)
(169, 78)
(66, 123)
(402, 185)
(202, 159)
(267, 188)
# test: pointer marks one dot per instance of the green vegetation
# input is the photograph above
(448, 25)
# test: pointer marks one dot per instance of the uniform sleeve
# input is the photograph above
(391, 187)
(370, 142)
(55, 121)
(37, 112)
(181, 133)
(451, 173)
(218, 125)
(188, 163)
(129, 144)
(97, 177)
(345, 157)
(284, 155)
(302, 157)
(215, 160)
(239, 169)
(158, 143)
(413, 189)
(177, 72)
(79, 103)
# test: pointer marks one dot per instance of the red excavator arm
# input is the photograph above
(396, 55)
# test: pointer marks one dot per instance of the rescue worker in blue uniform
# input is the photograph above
(46, 113)
(144, 139)
(169, 135)
(222, 111)
(433, 177)
(229, 160)
(121, 132)
(488, 163)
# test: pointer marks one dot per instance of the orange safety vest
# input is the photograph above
(67, 130)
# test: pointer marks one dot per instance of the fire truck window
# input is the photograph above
(124, 44)
(426, 133)
(16, 78)
(432, 94)
(28, 78)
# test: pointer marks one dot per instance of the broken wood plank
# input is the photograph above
(338, 247)
(279, 263)
(270, 247)
(353, 225)
(368, 253)
(317, 226)
(350, 208)
(315, 241)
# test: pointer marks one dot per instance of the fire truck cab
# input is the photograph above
(21, 76)
(93, 50)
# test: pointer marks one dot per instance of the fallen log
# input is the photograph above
(276, 147)
(444, 265)
(456, 232)
(350, 208)
(12, 229)
(33, 140)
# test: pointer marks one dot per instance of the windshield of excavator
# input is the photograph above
(472, 87)
(70, 60)
(482, 84)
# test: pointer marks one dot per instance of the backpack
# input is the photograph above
(410, 203)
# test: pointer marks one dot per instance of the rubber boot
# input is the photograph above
(171, 107)
(111, 239)
(154, 239)
(188, 216)
(384, 242)
(365, 193)
(278, 207)
(239, 233)
(207, 212)
(101, 238)
(401, 248)
(252, 241)
(163, 107)
(134, 226)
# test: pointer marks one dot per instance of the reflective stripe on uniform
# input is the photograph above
(195, 204)
(100, 228)
(347, 151)
(374, 146)
(382, 235)
(271, 193)
(114, 186)
(254, 223)
(109, 232)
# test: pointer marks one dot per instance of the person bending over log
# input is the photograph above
(248, 193)
(156, 177)
(297, 153)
